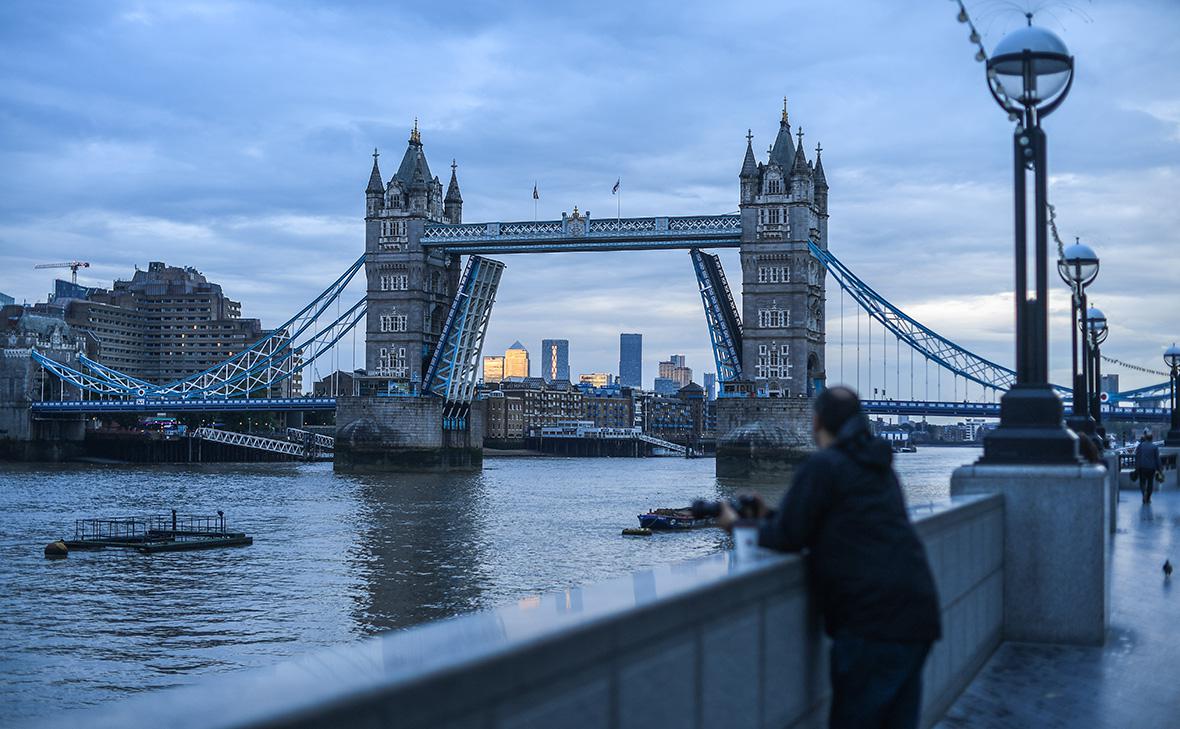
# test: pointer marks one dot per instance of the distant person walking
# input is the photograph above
(1147, 463)
(868, 568)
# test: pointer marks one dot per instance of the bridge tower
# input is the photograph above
(764, 417)
(409, 288)
(399, 421)
(784, 204)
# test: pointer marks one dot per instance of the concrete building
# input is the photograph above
(516, 361)
(517, 407)
(163, 324)
(679, 417)
(631, 360)
(675, 369)
(665, 386)
(609, 407)
(597, 379)
(6, 300)
(493, 368)
(555, 360)
(338, 383)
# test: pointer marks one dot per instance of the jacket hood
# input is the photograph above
(856, 439)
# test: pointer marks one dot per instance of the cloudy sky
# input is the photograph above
(235, 137)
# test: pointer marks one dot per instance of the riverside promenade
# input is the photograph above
(1131, 681)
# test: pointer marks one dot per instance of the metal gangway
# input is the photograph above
(665, 444)
(257, 442)
(322, 442)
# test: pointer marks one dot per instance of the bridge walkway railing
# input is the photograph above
(246, 440)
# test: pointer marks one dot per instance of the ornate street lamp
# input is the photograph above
(1098, 330)
(1078, 267)
(1029, 75)
(1172, 359)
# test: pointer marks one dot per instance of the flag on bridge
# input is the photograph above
(615, 189)
(536, 195)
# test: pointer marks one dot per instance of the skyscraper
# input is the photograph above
(516, 361)
(710, 386)
(493, 368)
(631, 360)
(555, 360)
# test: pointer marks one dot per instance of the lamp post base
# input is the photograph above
(1031, 429)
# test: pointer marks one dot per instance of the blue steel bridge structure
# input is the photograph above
(234, 384)
(415, 241)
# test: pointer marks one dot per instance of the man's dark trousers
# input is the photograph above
(1146, 483)
(876, 683)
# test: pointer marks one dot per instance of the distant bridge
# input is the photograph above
(992, 410)
(177, 405)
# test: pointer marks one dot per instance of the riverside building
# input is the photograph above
(163, 324)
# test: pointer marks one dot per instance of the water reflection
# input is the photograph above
(418, 549)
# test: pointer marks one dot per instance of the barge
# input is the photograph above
(673, 520)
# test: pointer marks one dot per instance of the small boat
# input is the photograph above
(673, 520)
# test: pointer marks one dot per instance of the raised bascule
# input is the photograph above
(431, 283)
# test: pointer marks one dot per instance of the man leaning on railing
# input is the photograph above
(867, 567)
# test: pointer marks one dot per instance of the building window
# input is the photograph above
(774, 274)
(395, 282)
(774, 361)
(774, 318)
(774, 186)
(391, 362)
(393, 322)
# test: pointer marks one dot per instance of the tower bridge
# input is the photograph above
(426, 312)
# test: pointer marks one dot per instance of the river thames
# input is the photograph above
(335, 558)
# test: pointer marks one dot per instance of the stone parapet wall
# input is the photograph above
(710, 643)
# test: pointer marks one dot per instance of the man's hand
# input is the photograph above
(727, 517)
(763, 510)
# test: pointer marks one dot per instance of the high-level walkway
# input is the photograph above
(1132, 681)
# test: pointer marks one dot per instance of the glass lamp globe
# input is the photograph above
(1032, 64)
(1172, 356)
(1078, 265)
(1096, 320)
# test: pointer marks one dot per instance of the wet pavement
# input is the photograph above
(1133, 680)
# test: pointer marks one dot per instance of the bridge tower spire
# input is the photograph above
(782, 283)
(453, 203)
(409, 288)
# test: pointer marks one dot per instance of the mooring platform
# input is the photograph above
(158, 533)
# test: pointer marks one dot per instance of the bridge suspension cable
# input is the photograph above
(934, 346)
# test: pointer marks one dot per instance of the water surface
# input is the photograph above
(335, 558)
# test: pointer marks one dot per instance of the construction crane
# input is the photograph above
(72, 265)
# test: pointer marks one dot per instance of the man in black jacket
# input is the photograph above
(867, 566)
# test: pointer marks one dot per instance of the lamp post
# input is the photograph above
(1029, 75)
(1078, 267)
(1097, 330)
(1172, 359)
